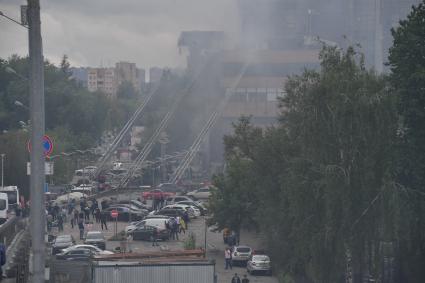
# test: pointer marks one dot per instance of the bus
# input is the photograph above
(12, 196)
(3, 208)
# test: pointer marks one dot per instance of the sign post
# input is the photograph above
(114, 214)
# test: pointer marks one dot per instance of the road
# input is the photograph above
(196, 226)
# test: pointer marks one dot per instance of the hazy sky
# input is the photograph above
(95, 32)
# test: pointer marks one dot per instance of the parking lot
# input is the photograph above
(214, 242)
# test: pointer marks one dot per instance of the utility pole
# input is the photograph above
(37, 178)
(379, 61)
(2, 170)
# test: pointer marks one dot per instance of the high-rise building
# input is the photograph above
(155, 74)
(295, 24)
(102, 79)
(128, 72)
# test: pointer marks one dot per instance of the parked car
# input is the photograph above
(170, 188)
(62, 242)
(174, 199)
(160, 223)
(198, 205)
(76, 254)
(95, 238)
(259, 263)
(94, 249)
(124, 213)
(131, 206)
(202, 193)
(145, 232)
(193, 211)
(170, 212)
(241, 254)
(156, 194)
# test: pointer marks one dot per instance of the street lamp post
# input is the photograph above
(2, 170)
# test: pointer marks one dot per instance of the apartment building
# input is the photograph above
(103, 80)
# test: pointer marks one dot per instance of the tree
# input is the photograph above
(126, 90)
(233, 203)
(319, 185)
(407, 63)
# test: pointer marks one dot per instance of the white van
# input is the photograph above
(4, 206)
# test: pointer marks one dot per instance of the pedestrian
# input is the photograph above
(97, 215)
(154, 237)
(129, 242)
(81, 227)
(186, 217)
(103, 217)
(76, 213)
(72, 222)
(236, 279)
(245, 279)
(228, 258)
(182, 225)
(2, 259)
(49, 222)
(60, 222)
(123, 243)
(86, 213)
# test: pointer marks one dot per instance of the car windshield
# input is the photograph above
(94, 236)
(243, 249)
(2, 204)
(260, 258)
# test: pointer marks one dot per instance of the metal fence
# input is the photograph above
(64, 271)
(154, 273)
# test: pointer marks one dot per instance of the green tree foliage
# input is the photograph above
(318, 185)
(75, 117)
(233, 202)
(407, 63)
(126, 90)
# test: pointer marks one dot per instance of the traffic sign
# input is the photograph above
(114, 214)
(48, 168)
(47, 145)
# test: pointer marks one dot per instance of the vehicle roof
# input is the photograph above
(242, 247)
(94, 232)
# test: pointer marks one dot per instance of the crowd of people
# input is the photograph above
(79, 214)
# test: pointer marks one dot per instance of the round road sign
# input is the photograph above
(47, 145)
(114, 214)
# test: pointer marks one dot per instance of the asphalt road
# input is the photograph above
(196, 226)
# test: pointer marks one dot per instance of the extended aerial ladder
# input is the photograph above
(147, 148)
(111, 149)
(193, 150)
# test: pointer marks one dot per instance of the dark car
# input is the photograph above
(62, 242)
(170, 212)
(124, 213)
(76, 254)
(146, 232)
(95, 238)
(135, 203)
(132, 207)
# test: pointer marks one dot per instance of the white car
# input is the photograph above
(202, 193)
(92, 248)
(193, 211)
(259, 263)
